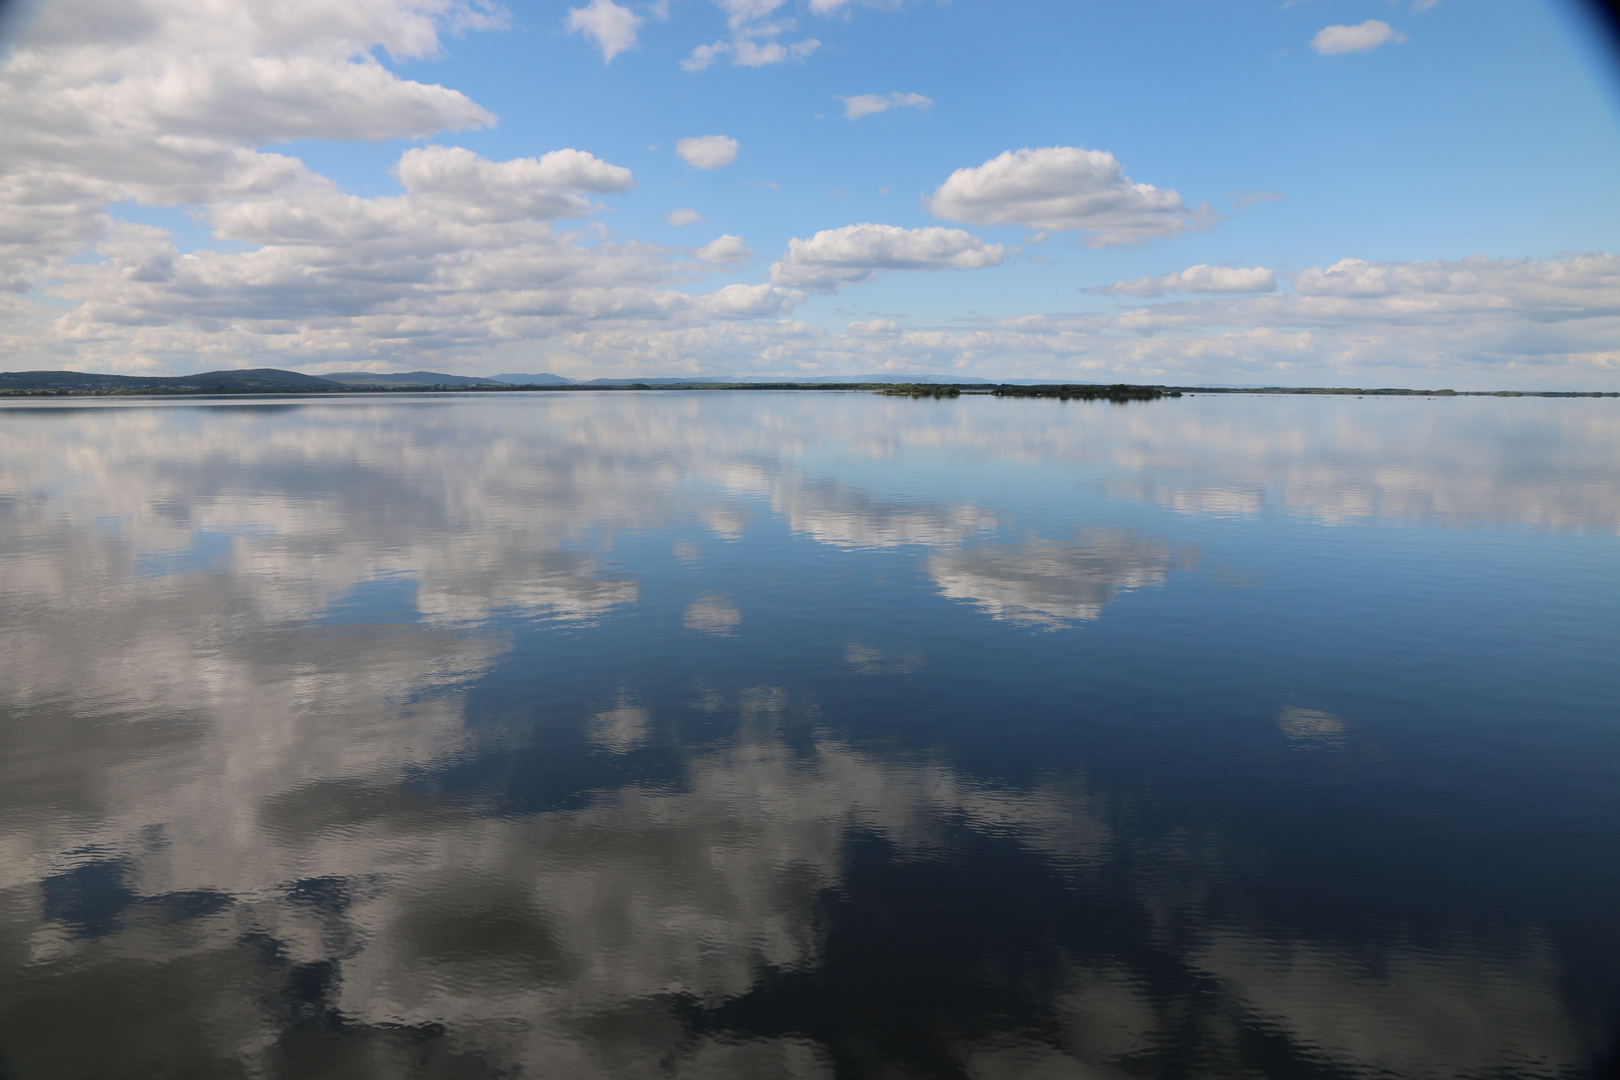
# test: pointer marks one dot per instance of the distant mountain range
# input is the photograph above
(238, 379)
(261, 380)
(539, 378)
(408, 378)
(270, 380)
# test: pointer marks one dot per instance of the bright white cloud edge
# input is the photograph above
(753, 33)
(611, 27)
(853, 254)
(859, 105)
(1198, 279)
(1363, 37)
(1065, 189)
(708, 151)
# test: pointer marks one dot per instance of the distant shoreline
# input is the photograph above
(968, 390)
(893, 389)
(261, 382)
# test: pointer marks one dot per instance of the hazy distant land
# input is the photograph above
(277, 381)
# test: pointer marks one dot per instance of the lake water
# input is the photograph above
(776, 734)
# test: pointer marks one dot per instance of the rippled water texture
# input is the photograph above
(728, 735)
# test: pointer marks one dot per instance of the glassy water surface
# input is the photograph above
(733, 735)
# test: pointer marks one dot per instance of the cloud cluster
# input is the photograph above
(1199, 279)
(468, 257)
(455, 182)
(168, 104)
(754, 30)
(1363, 37)
(287, 776)
(1470, 324)
(172, 103)
(834, 258)
(1065, 189)
(164, 103)
(860, 105)
(1577, 287)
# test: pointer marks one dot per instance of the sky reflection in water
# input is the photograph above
(783, 734)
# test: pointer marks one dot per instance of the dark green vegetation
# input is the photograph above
(1089, 392)
(919, 390)
(277, 381)
(1064, 392)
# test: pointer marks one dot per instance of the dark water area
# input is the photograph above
(809, 735)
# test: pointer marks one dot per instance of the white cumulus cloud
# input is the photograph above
(1347, 277)
(1332, 40)
(462, 184)
(683, 216)
(1201, 279)
(855, 253)
(727, 249)
(1065, 188)
(749, 301)
(707, 151)
(612, 27)
(860, 105)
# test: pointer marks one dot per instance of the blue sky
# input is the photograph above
(1461, 154)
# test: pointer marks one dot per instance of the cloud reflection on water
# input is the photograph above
(224, 777)
(644, 931)
(1048, 585)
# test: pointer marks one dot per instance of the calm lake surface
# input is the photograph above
(724, 735)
